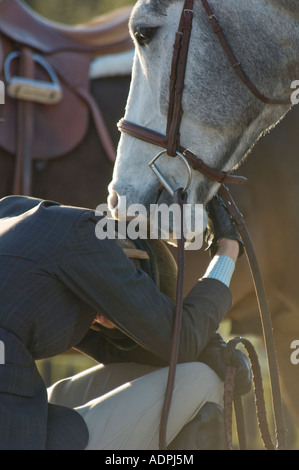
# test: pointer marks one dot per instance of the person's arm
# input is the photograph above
(223, 263)
(106, 350)
(209, 344)
(221, 268)
(228, 247)
(224, 242)
(99, 273)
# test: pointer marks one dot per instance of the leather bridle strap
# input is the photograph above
(265, 315)
(160, 140)
(177, 78)
(170, 141)
(180, 198)
(235, 62)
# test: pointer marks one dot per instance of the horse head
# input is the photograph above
(222, 117)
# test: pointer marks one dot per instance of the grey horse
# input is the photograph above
(222, 122)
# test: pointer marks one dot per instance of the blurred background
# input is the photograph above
(75, 11)
(70, 363)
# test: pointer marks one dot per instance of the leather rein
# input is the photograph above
(171, 145)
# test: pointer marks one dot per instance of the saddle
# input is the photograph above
(45, 69)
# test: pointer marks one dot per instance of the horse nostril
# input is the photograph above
(113, 200)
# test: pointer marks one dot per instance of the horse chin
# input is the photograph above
(166, 222)
(162, 220)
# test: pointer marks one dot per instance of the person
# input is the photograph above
(58, 283)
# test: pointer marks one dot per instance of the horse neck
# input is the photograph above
(279, 25)
(290, 7)
(286, 30)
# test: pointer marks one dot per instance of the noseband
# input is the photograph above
(171, 141)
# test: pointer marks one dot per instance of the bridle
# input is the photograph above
(170, 143)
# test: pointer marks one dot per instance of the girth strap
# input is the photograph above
(25, 131)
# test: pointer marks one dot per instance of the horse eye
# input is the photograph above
(144, 35)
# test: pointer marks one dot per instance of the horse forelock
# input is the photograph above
(160, 6)
(157, 7)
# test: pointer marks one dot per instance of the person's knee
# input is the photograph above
(198, 371)
(203, 379)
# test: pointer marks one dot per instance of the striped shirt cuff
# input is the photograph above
(221, 268)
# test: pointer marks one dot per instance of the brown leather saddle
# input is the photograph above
(45, 69)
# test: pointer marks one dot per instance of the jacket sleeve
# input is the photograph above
(102, 349)
(101, 275)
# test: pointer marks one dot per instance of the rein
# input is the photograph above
(265, 317)
(171, 145)
(230, 397)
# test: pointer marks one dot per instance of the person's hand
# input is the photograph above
(220, 226)
(212, 355)
(228, 247)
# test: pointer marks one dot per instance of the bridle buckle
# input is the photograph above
(162, 179)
